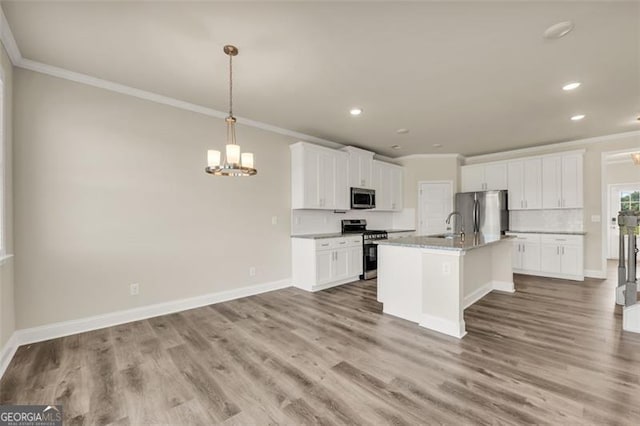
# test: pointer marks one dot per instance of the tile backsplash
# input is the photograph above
(323, 221)
(546, 220)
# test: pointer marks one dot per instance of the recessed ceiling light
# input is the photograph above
(437, 145)
(571, 86)
(355, 111)
(577, 117)
(558, 30)
(402, 131)
(395, 146)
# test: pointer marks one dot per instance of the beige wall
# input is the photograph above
(7, 311)
(592, 185)
(111, 190)
(426, 168)
(623, 172)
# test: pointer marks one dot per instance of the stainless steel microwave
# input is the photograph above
(362, 198)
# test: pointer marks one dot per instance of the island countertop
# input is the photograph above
(456, 244)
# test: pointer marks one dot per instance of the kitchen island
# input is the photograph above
(431, 280)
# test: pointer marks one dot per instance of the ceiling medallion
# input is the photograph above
(235, 163)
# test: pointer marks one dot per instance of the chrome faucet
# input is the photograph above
(448, 221)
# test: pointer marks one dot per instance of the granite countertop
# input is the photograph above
(455, 244)
(320, 236)
(550, 232)
(339, 235)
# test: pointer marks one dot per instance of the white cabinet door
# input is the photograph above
(340, 265)
(530, 256)
(311, 177)
(550, 258)
(327, 179)
(324, 260)
(571, 260)
(341, 181)
(572, 181)
(366, 170)
(532, 183)
(516, 257)
(397, 188)
(360, 167)
(495, 176)
(552, 182)
(515, 174)
(355, 261)
(472, 178)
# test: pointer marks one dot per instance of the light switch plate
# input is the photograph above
(595, 218)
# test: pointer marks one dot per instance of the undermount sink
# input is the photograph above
(444, 236)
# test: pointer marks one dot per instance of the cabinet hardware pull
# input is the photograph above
(557, 250)
(562, 250)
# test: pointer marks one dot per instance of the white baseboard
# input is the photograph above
(81, 325)
(502, 286)
(472, 298)
(448, 327)
(595, 273)
(6, 354)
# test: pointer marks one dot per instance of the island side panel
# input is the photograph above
(400, 281)
(477, 274)
(442, 297)
(502, 267)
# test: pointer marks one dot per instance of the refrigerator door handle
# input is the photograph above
(475, 216)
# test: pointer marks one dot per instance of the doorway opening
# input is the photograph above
(622, 197)
(435, 202)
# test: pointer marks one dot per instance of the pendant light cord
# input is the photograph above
(231, 85)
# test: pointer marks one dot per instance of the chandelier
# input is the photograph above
(235, 163)
(636, 158)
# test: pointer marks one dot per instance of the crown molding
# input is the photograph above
(415, 156)
(560, 145)
(9, 42)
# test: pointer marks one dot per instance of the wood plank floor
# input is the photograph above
(553, 353)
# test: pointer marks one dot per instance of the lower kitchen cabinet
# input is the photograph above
(549, 255)
(322, 263)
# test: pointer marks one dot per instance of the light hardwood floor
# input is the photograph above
(553, 353)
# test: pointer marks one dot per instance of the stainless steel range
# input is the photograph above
(369, 245)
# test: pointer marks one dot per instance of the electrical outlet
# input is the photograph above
(134, 289)
(252, 271)
(446, 268)
(274, 220)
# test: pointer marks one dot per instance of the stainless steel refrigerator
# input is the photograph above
(485, 212)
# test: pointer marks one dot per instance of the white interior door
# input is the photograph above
(621, 197)
(435, 202)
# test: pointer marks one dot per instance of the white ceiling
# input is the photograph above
(476, 77)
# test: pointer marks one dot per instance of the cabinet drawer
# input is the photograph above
(342, 242)
(534, 238)
(561, 239)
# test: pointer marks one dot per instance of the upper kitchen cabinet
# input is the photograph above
(525, 184)
(388, 183)
(484, 177)
(360, 167)
(318, 178)
(562, 186)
